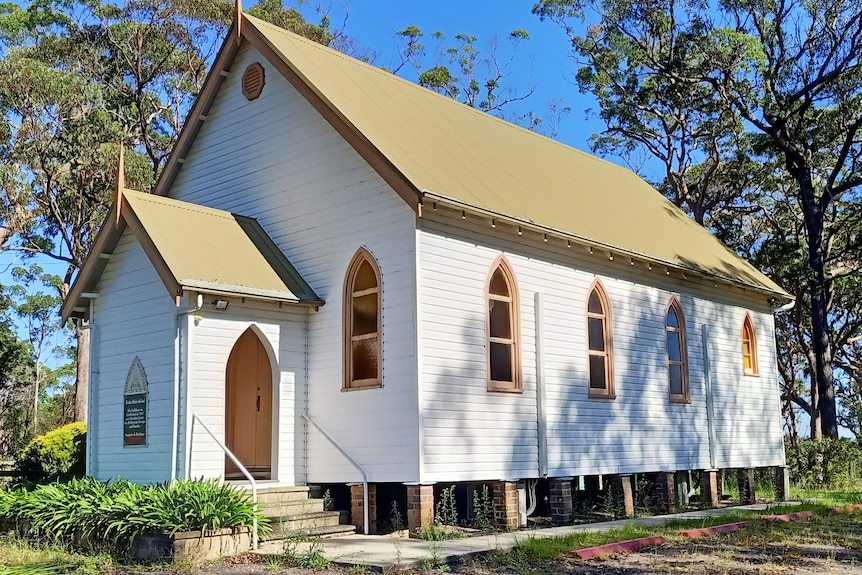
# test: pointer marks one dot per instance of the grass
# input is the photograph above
(538, 556)
(20, 556)
(827, 498)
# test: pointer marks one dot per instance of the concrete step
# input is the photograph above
(283, 527)
(280, 495)
(325, 532)
(292, 507)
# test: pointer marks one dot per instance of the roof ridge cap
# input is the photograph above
(187, 206)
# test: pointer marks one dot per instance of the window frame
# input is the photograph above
(675, 305)
(516, 385)
(361, 256)
(609, 391)
(749, 335)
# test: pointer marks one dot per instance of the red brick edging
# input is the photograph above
(700, 532)
(847, 508)
(789, 516)
(633, 544)
(619, 547)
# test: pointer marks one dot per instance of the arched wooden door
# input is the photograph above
(248, 408)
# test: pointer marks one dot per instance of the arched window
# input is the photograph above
(504, 354)
(599, 343)
(362, 323)
(677, 354)
(749, 347)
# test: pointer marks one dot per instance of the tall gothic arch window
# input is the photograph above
(749, 347)
(503, 328)
(600, 357)
(677, 354)
(362, 323)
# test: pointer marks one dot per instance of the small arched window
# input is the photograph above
(599, 343)
(504, 355)
(677, 355)
(362, 323)
(749, 347)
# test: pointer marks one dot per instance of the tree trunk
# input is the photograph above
(82, 381)
(822, 382)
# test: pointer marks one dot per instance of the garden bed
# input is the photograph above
(195, 546)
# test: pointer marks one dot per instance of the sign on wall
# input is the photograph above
(135, 406)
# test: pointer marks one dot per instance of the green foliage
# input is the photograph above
(110, 515)
(59, 455)
(483, 509)
(395, 517)
(460, 72)
(838, 462)
(313, 557)
(446, 512)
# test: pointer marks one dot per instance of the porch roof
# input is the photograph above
(197, 248)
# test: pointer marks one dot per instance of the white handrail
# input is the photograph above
(244, 471)
(352, 462)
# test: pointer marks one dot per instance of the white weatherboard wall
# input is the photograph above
(276, 159)
(212, 336)
(472, 434)
(134, 316)
(746, 406)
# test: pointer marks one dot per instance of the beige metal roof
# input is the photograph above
(212, 251)
(447, 150)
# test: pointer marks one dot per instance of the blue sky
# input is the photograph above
(544, 60)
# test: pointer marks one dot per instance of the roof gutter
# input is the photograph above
(429, 196)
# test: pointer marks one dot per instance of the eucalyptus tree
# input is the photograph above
(76, 79)
(787, 70)
(457, 67)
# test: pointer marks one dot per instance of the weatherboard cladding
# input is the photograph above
(639, 430)
(319, 201)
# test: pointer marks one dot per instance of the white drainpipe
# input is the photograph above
(541, 402)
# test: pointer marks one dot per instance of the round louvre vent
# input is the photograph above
(252, 81)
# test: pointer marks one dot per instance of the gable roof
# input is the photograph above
(196, 248)
(444, 151)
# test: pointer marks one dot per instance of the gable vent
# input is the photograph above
(252, 81)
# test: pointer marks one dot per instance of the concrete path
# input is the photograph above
(382, 552)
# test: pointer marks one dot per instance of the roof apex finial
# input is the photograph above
(238, 21)
(121, 180)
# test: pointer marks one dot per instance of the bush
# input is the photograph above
(111, 515)
(59, 455)
(838, 462)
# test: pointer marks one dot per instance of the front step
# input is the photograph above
(301, 524)
(321, 532)
(293, 512)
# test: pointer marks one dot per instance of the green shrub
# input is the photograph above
(111, 515)
(59, 455)
(838, 462)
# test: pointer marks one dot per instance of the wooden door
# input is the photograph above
(248, 408)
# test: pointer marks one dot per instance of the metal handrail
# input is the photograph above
(244, 471)
(352, 462)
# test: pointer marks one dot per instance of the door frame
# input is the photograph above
(275, 381)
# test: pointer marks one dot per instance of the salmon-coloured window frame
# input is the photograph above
(514, 341)
(749, 347)
(609, 390)
(676, 307)
(361, 257)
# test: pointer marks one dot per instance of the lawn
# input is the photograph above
(828, 542)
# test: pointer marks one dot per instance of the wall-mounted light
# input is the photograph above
(221, 304)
